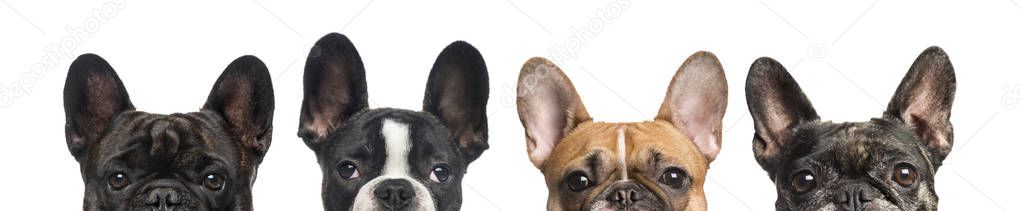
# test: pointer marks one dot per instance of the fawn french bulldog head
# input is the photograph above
(659, 164)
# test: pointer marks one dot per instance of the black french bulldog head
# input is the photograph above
(887, 163)
(133, 160)
(393, 159)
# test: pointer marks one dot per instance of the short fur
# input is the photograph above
(854, 163)
(563, 140)
(166, 158)
(338, 125)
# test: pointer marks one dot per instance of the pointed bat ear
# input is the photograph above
(243, 96)
(548, 106)
(335, 88)
(924, 98)
(777, 105)
(456, 93)
(696, 100)
(93, 97)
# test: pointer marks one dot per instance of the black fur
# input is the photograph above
(165, 159)
(338, 125)
(853, 163)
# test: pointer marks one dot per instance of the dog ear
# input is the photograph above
(243, 96)
(335, 88)
(923, 100)
(696, 100)
(548, 107)
(777, 105)
(93, 96)
(456, 93)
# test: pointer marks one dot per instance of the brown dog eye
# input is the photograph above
(118, 181)
(348, 170)
(214, 182)
(803, 182)
(578, 181)
(674, 177)
(905, 174)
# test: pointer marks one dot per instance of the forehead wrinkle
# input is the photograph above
(124, 151)
(655, 156)
(588, 138)
(196, 127)
(593, 162)
(198, 123)
(133, 134)
(662, 137)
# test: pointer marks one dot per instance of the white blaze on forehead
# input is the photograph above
(395, 134)
(622, 152)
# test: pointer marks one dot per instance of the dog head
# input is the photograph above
(652, 165)
(393, 159)
(133, 160)
(887, 163)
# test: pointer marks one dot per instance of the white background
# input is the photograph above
(848, 56)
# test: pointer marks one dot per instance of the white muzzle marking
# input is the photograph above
(398, 143)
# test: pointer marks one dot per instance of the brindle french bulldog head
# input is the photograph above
(133, 160)
(887, 163)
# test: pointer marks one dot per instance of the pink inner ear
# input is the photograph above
(924, 114)
(925, 121)
(547, 105)
(544, 122)
(319, 125)
(701, 121)
(696, 100)
(708, 144)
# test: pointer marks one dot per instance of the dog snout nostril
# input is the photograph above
(843, 198)
(856, 197)
(394, 193)
(636, 196)
(163, 199)
(866, 196)
(626, 197)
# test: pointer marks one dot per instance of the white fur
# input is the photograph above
(622, 153)
(396, 136)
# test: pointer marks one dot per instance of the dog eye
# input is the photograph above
(578, 181)
(803, 182)
(118, 181)
(674, 177)
(214, 182)
(348, 170)
(905, 174)
(440, 174)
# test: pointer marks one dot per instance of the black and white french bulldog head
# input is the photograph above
(133, 160)
(393, 159)
(887, 163)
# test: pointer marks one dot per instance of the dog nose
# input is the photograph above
(626, 195)
(163, 199)
(394, 193)
(855, 197)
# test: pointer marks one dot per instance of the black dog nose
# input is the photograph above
(855, 197)
(163, 199)
(394, 193)
(626, 195)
